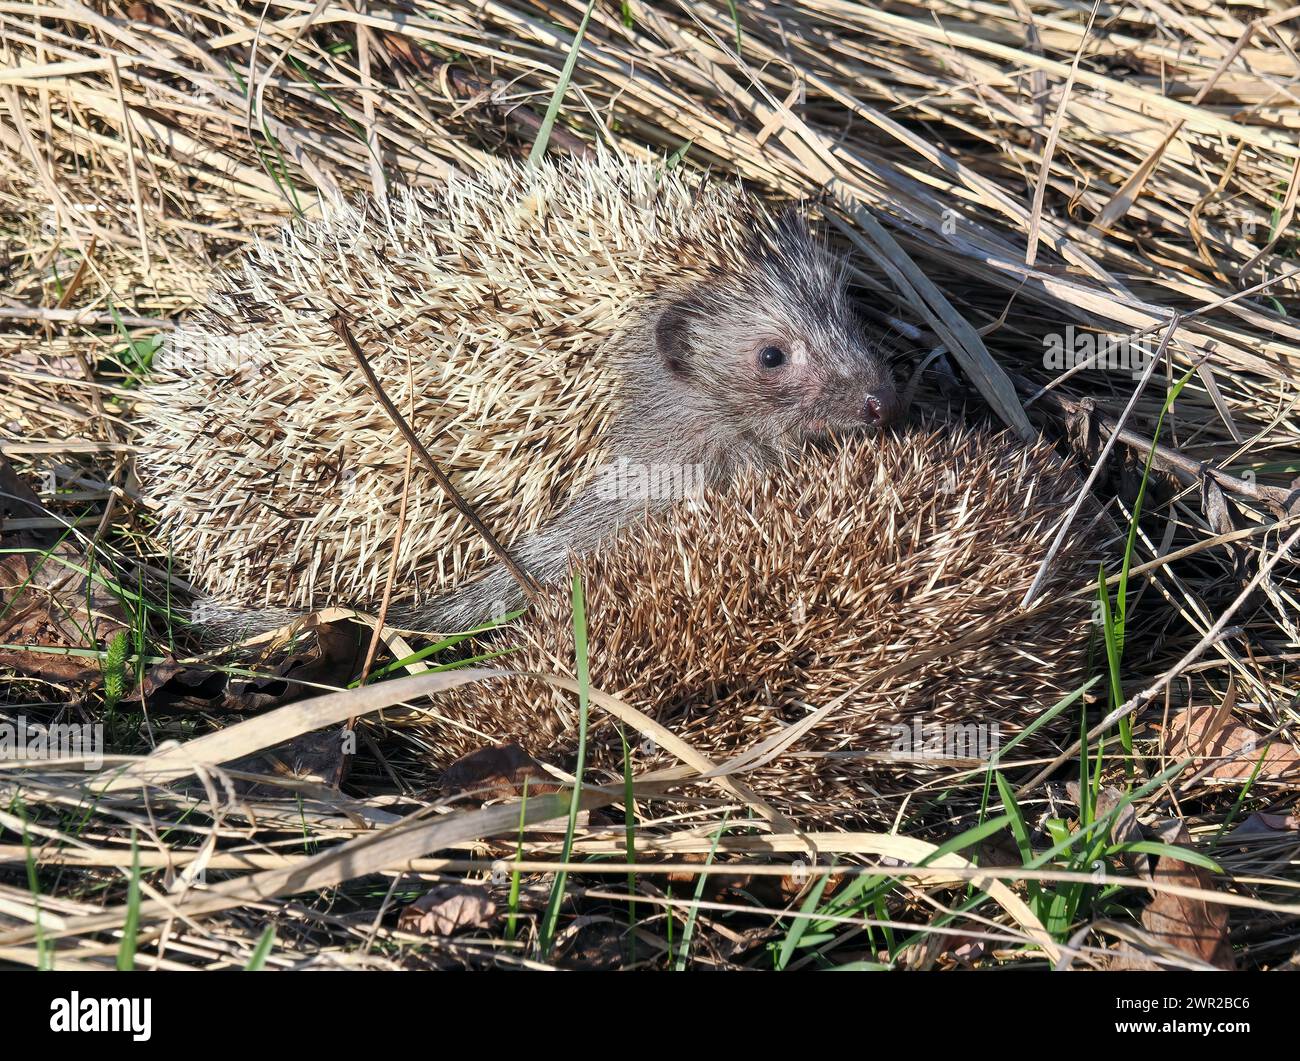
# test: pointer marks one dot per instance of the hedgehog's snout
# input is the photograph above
(881, 409)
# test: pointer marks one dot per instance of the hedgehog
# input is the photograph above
(543, 329)
(881, 579)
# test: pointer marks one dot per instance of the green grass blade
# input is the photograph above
(257, 960)
(538, 152)
(683, 951)
(584, 691)
(131, 927)
(800, 925)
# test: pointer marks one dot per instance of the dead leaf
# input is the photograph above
(1125, 830)
(1081, 432)
(1262, 823)
(17, 499)
(446, 910)
(594, 943)
(170, 684)
(969, 952)
(402, 47)
(331, 655)
(141, 12)
(1219, 513)
(497, 772)
(51, 597)
(1192, 925)
(48, 603)
(1200, 732)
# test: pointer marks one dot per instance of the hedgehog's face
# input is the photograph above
(778, 354)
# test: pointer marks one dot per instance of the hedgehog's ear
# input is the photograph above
(673, 334)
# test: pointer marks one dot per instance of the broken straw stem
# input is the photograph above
(340, 325)
(1188, 469)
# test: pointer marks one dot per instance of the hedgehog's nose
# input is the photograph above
(881, 410)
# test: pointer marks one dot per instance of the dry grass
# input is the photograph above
(1002, 171)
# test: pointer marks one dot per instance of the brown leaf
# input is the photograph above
(47, 603)
(497, 772)
(969, 951)
(1200, 732)
(448, 909)
(1126, 828)
(170, 684)
(402, 47)
(332, 658)
(1081, 432)
(1192, 925)
(1219, 513)
(594, 943)
(1261, 823)
(141, 12)
(46, 599)
(17, 499)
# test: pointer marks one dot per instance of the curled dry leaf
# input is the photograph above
(449, 909)
(171, 684)
(497, 772)
(1126, 828)
(969, 952)
(1262, 823)
(1220, 513)
(332, 658)
(48, 605)
(141, 12)
(404, 48)
(594, 942)
(1192, 925)
(1202, 733)
(47, 599)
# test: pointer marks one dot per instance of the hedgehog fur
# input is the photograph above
(492, 309)
(840, 579)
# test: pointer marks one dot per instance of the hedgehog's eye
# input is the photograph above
(771, 357)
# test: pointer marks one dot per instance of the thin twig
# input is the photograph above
(526, 582)
(382, 615)
(81, 316)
